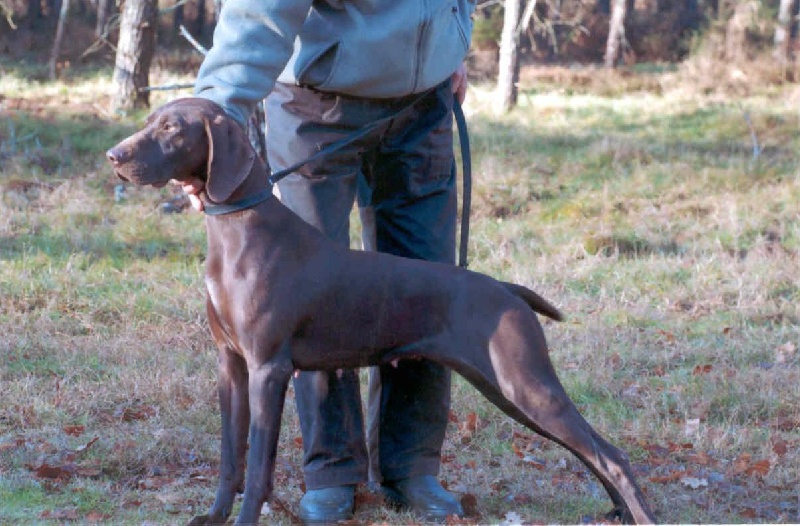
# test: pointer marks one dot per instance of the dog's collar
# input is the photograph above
(218, 209)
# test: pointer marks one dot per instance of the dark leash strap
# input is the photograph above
(466, 197)
(214, 209)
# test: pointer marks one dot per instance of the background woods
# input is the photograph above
(752, 33)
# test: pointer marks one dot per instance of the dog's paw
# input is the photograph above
(206, 520)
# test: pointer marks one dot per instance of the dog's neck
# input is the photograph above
(254, 190)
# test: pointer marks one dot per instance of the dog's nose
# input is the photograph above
(113, 156)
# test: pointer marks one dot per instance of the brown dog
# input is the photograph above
(282, 297)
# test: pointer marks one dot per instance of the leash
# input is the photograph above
(214, 209)
(466, 174)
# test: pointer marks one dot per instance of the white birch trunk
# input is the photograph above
(506, 91)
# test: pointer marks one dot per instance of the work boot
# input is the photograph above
(327, 505)
(424, 495)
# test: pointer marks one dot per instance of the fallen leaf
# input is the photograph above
(702, 369)
(199, 477)
(469, 503)
(19, 442)
(668, 336)
(759, 469)
(785, 424)
(701, 459)
(468, 427)
(96, 516)
(471, 423)
(666, 479)
(134, 413)
(154, 483)
(47, 471)
(535, 462)
(74, 430)
(615, 360)
(779, 446)
(86, 446)
(70, 514)
(785, 352)
(744, 465)
(634, 390)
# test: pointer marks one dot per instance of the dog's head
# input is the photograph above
(186, 138)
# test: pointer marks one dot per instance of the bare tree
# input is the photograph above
(783, 31)
(52, 66)
(616, 43)
(508, 74)
(103, 8)
(137, 39)
(736, 30)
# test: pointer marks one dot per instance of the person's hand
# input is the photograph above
(459, 83)
(192, 187)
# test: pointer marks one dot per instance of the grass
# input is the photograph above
(645, 217)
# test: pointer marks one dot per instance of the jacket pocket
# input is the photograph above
(318, 68)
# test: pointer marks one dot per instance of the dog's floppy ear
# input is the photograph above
(230, 157)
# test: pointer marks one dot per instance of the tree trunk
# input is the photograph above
(796, 27)
(34, 14)
(782, 31)
(177, 18)
(506, 91)
(102, 18)
(736, 30)
(616, 33)
(200, 20)
(137, 39)
(52, 66)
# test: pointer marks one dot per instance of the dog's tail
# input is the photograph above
(536, 302)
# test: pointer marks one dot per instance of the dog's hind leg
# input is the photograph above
(515, 373)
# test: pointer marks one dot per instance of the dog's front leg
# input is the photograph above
(232, 388)
(268, 383)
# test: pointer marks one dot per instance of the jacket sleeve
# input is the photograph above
(253, 41)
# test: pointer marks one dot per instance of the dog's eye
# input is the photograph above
(168, 126)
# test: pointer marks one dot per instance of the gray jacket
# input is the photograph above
(366, 48)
